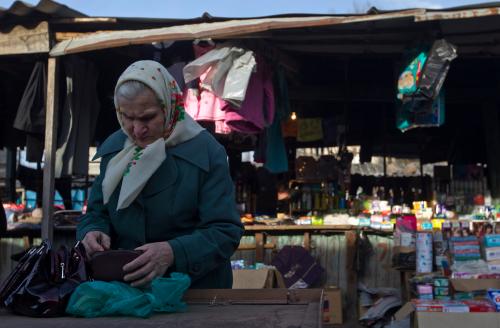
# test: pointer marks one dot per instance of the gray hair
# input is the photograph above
(131, 89)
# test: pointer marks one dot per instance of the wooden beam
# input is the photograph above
(61, 36)
(307, 240)
(84, 20)
(253, 296)
(50, 148)
(21, 40)
(237, 296)
(377, 93)
(249, 247)
(259, 244)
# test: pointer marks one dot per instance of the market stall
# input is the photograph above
(331, 169)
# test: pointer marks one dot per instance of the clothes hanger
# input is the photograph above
(209, 41)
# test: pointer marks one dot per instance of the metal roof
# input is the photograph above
(378, 33)
(44, 9)
(224, 29)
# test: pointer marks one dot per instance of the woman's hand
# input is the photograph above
(154, 262)
(96, 241)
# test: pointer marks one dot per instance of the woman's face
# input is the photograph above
(142, 118)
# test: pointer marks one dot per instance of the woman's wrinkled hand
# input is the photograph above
(96, 241)
(153, 262)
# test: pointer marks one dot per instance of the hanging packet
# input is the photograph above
(409, 78)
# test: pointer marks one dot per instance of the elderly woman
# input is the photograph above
(164, 187)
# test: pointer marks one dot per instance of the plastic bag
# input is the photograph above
(201, 64)
(418, 112)
(99, 298)
(238, 78)
(228, 71)
(216, 76)
(436, 68)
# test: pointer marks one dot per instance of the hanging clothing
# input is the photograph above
(227, 72)
(276, 157)
(203, 105)
(257, 110)
(79, 117)
(176, 71)
(30, 116)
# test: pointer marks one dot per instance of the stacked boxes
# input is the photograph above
(424, 253)
(442, 289)
(492, 252)
(465, 248)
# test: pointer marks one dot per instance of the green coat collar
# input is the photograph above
(193, 151)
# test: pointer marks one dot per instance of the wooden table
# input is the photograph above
(207, 308)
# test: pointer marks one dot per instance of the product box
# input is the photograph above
(440, 306)
(494, 295)
(457, 320)
(480, 306)
(441, 282)
(441, 291)
(494, 266)
(492, 253)
(408, 239)
(331, 307)
(492, 240)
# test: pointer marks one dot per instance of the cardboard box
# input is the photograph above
(449, 320)
(332, 307)
(257, 279)
(470, 285)
(458, 320)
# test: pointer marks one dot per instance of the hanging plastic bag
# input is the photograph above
(99, 298)
(436, 68)
(415, 112)
(238, 78)
(216, 76)
(200, 65)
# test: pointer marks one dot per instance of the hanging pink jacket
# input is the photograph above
(257, 110)
(202, 104)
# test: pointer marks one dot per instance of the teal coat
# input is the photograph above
(188, 201)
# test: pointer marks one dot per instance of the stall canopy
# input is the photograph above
(373, 32)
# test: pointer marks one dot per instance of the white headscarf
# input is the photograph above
(134, 165)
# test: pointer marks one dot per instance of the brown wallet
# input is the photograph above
(108, 265)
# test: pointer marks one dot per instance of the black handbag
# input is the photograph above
(43, 280)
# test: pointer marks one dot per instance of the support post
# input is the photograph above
(50, 148)
(11, 174)
(259, 247)
(352, 276)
